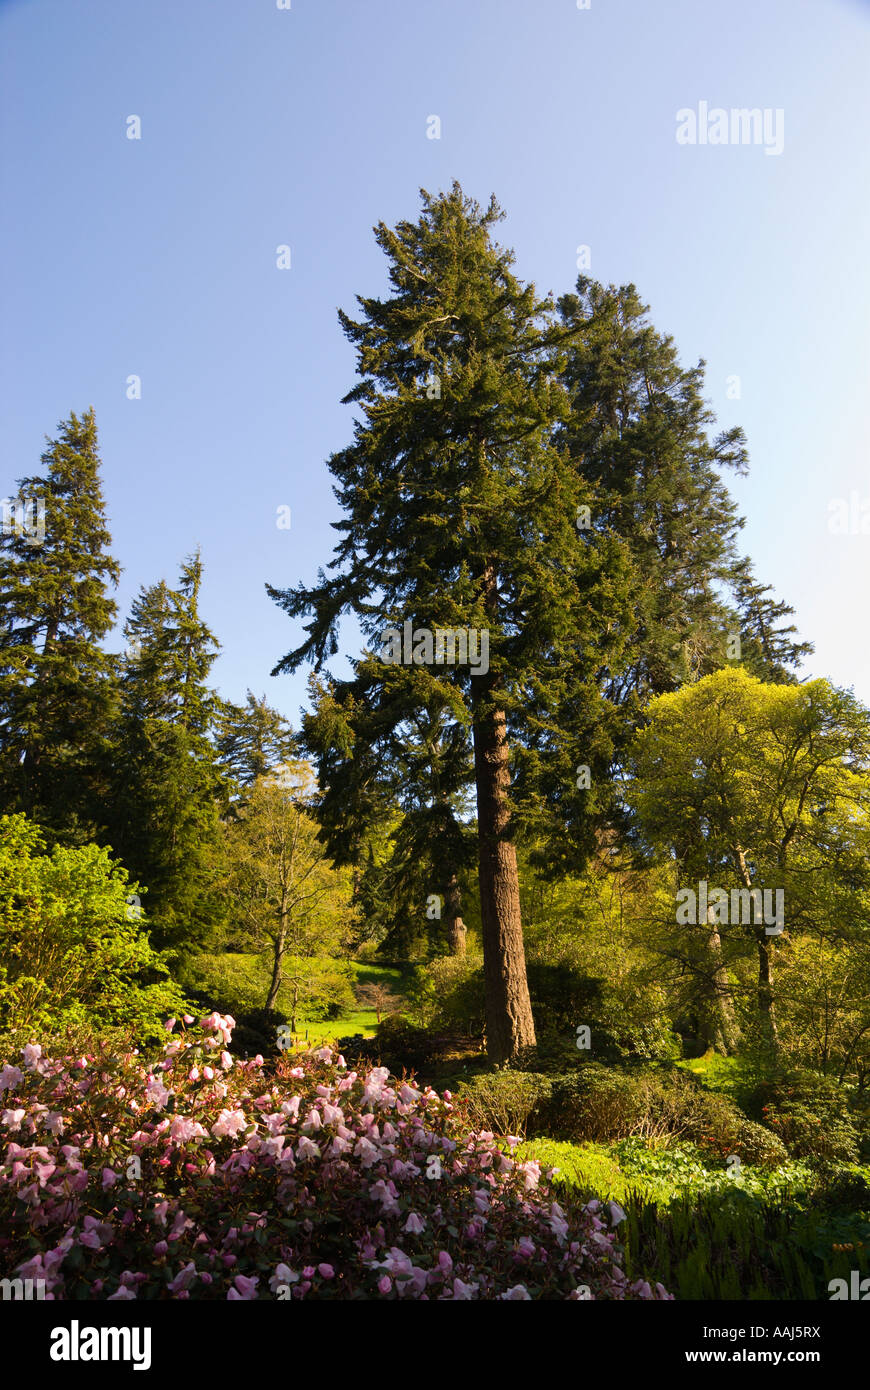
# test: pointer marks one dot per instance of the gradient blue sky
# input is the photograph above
(263, 126)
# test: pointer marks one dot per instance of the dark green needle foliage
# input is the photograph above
(460, 511)
(56, 686)
(168, 788)
(252, 740)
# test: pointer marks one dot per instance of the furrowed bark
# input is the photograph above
(509, 1023)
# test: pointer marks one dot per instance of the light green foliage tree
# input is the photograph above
(287, 900)
(73, 949)
(750, 786)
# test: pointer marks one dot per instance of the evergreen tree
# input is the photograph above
(415, 761)
(253, 740)
(767, 650)
(56, 685)
(638, 432)
(461, 514)
(169, 792)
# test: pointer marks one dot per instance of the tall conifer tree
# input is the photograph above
(169, 792)
(56, 686)
(461, 513)
(253, 740)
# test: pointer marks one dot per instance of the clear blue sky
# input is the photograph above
(263, 126)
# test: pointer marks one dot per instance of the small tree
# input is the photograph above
(287, 898)
(372, 995)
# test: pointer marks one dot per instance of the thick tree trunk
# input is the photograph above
(455, 924)
(509, 1023)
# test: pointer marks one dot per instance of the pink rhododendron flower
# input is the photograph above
(229, 1123)
(95, 1234)
(518, 1294)
(415, 1224)
(244, 1287)
(182, 1130)
(184, 1278)
(463, 1291)
(531, 1171)
(283, 1275)
(397, 1262)
(156, 1092)
(10, 1076)
(382, 1192)
(367, 1152)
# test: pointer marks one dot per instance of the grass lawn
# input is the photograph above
(362, 1021)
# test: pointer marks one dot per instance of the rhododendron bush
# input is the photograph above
(201, 1176)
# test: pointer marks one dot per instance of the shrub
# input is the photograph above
(72, 952)
(563, 997)
(810, 1114)
(503, 1101)
(751, 1142)
(399, 1045)
(595, 1103)
(257, 1032)
(603, 1104)
(201, 1177)
(844, 1189)
(455, 994)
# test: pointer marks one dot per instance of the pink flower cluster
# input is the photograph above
(200, 1176)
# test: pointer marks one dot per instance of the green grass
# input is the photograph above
(726, 1074)
(363, 1021)
(359, 1020)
